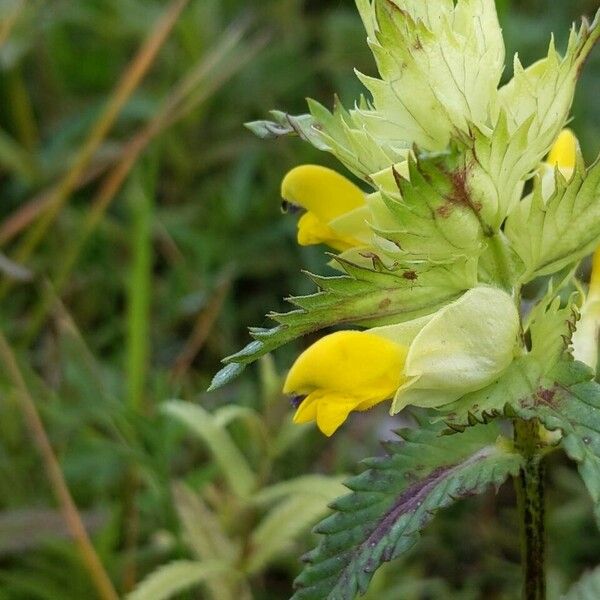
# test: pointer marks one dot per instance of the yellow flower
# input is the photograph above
(563, 155)
(564, 151)
(335, 207)
(585, 338)
(429, 361)
(342, 372)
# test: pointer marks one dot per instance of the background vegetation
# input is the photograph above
(140, 233)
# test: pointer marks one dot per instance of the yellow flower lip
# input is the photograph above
(343, 372)
(325, 196)
(321, 191)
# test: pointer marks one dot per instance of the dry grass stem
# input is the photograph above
(69, 510)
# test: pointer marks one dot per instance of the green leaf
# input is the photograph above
(588, 588)
(361, 297)
(543, 93)
(232, 463)
(550, 235)
(393, 501)
(343, 133)
(571, 403)
(440, 68)
(176, 577)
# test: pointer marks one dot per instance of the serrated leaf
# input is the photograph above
(346, 138)
(176, 577)
(235, 469)
(393, 500)
(549, 235)
(588, 588)
(440, 66)
(531, 110)
(544, 91)
(362, 297)
(435, 216)
(571, 403)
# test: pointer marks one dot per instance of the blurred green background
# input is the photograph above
(140, 234)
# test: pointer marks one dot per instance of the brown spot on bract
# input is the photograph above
(385, 303)
(445, 210)
(410, 275)
(459, 196)
(545, 396)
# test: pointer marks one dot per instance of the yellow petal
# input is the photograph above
(322, 191)
(333, 410)
(307, 411)
(564, 151)
(313, 231)
(352, 363)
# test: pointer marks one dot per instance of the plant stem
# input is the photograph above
(530, 498)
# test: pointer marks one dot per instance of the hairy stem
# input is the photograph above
(530, 498)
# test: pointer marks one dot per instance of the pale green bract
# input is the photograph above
(450, 352)
(430, 58)
(550, 235)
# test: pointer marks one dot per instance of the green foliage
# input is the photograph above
(550, 234)
(361, 296)
(571, 404)
(237, 531)
(227, 456)
(176, 577)
(394, 500)
(214, 218)
(532, 109)
(431, 62)
(433, 212)
(550, 331)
